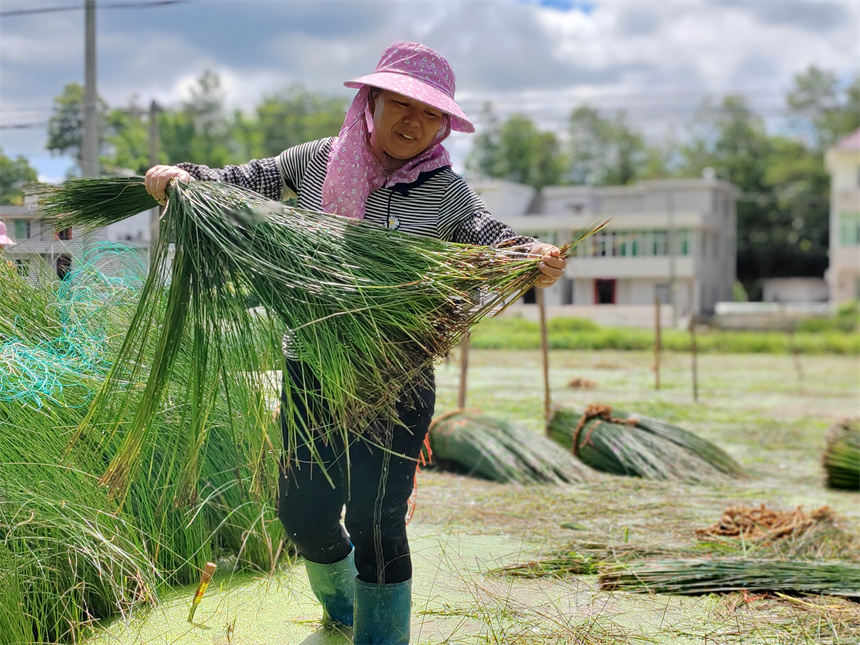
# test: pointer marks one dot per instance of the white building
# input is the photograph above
(37, 243)
(843, 274)
(668, 239)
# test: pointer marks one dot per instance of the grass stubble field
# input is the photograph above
(755, 406)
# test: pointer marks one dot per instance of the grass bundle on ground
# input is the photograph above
(578, 558)
(703, 576)
(622, 444)
(842, 456)
(367, 309)
(501, 451)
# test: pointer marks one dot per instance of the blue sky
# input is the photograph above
(656, 60)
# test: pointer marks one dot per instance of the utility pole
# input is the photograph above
(90, 143)
(155, 213)
(90, 140)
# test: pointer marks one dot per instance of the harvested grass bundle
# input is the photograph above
(579, 558)
(68, 554)
(501, 451)
(762, 524)
(703, 576)
(364, 307)
(842, 456)
(624, 444)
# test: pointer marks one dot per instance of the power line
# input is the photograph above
(120, 5)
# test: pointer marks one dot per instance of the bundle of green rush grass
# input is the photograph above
(842, 456)
(501, 451)
(720, 575)
(622, 444)
(69, 555)
(367, 309)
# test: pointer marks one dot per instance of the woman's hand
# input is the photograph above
(159, 177)
(551, 266)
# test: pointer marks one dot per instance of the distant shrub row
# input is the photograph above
(573, 333)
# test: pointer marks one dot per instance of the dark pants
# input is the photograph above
(375, 488)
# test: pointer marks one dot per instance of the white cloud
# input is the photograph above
(656, 59)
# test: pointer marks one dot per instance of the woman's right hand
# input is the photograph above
(159, 177)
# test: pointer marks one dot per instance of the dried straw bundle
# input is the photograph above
(616, 442)
(501, 451)
(842, 456)
(367, 310)
(703, 576)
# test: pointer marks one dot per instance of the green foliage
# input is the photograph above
(66, 125)
(296, 115)
(845, 319)
(604, 151)
(517, 151)
(823, 110)
(14, 174)
(518, 333)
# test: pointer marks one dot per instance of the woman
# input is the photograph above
(388, 166)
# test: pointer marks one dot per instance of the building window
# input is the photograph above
(64, 266)
(684, 242)
(64, 234)
(22, 230)
(849, 229)
(659, 244)
(604, 292)
(23, 267)
(567, 291)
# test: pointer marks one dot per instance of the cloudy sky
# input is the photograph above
(656, 60)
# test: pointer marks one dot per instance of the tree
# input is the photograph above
(517, 151)
(201, 131)
(14, 175)
(66, 125)
(823, 109)
(127, 140)
(296, 115)
(605, 151)
(734, 142)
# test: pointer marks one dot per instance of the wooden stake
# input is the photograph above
(694, 348)
(695, 356)
(792, 346)
(547, 399)
(464, 371)
(657, 341)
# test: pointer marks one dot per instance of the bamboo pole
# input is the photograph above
(657, 342)
(547, 399)
(694, 348)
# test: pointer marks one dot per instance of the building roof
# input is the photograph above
(850, 142)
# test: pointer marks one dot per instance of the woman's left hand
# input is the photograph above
(551, 266)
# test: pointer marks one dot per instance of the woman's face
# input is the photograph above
(402, 127)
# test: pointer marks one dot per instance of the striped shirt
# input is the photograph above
(439, 204)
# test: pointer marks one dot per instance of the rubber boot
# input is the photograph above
(333, 585)
(382, 613)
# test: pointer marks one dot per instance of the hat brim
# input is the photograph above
(6, 241)
(417, 89)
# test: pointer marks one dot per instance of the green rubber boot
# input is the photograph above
(382, 613)
(333, 585)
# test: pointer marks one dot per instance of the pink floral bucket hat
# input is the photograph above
(420, 73)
